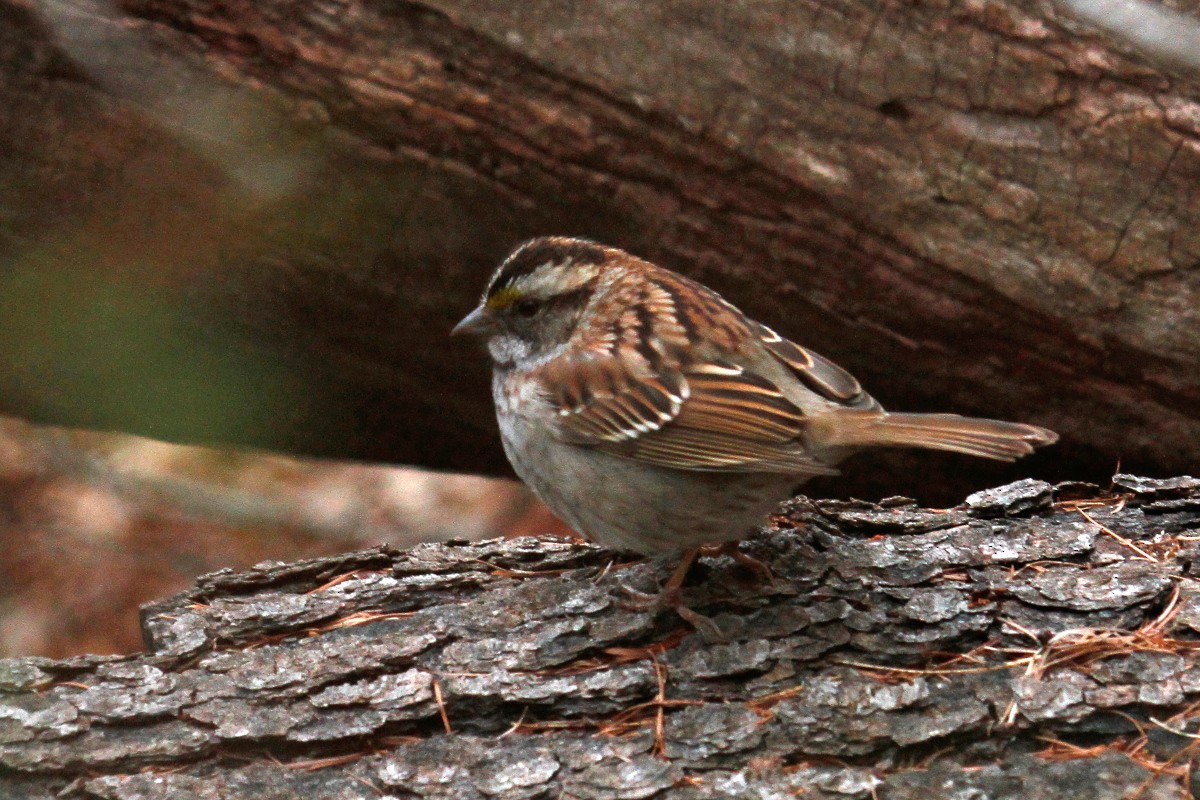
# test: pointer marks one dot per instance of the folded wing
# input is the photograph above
(710, 416)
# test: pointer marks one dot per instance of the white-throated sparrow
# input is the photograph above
(653, 416)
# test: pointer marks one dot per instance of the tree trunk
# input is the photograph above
(1036, 641)
(255, 222)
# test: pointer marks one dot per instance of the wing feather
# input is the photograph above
(710, 416)
(600, 399)
(742, 404)
(649, 387)
(815, 371)
(689, 448)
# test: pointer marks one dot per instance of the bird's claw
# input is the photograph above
(670, 598)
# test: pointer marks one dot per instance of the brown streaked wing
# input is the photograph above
(815, 371)
(732, 420)
(711, 416)
(726, 399)
(599, 400)
(707, 451)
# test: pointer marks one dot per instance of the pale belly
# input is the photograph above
(627, 505)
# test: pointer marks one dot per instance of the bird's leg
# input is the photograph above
(671, 589)
(668, 594)
(669, 597)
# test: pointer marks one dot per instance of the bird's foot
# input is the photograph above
(760, 568)
(707, 627)
(670, 597)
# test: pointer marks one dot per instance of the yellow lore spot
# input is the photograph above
(503, 299)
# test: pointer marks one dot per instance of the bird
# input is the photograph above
(653, 416)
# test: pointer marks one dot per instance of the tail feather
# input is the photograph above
(988, 438)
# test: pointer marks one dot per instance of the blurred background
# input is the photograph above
(251, 226)
(92, 525)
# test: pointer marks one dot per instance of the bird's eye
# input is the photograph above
(527, 307)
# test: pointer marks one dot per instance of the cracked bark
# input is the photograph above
(1035, 641)
(993, 197)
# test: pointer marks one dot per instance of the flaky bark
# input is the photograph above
(1034, 642)
(254, 222)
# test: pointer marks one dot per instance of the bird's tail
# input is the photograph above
(988, 438)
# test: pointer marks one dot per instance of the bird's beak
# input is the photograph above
(479, 322)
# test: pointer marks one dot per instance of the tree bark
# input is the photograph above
(255, 222)
(1035, 641)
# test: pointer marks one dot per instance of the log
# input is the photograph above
(1034, 641)
(253, 223)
